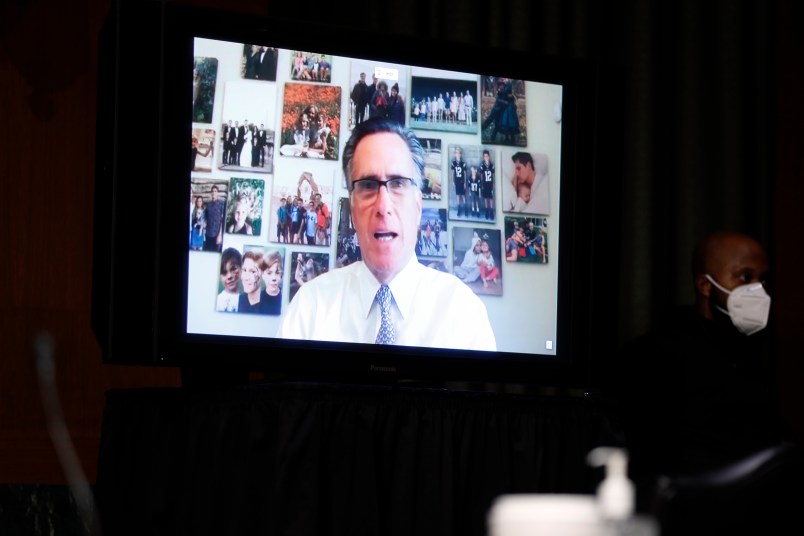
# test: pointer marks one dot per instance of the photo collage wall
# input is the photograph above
(269, 207)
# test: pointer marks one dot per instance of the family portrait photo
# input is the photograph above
(526, 240)
(444, 104)
(301, 207)
(310, 121)
(246, 140)
(377, 90)
(311, 67)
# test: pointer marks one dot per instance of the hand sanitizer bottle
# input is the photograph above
(610, 513)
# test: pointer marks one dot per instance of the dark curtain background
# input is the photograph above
(327, 459)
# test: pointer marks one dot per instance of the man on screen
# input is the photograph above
(388, 297)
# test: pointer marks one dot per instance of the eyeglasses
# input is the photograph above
(369, 188)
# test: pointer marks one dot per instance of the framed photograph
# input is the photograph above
(207, 213)
(261, 280)
(431, 184)
(377, 90)
(311, 121)
(305, 267)
(202, 151)
(229, 287)
(476, 259)
(433, 237)
(311, 67)
(258, 63)
(444, 104)
(300, 204)
(472, 176)
(244, 207)
(205, 76)
(348, 248)
(526, 239)
(503, 112)
(247, 144)
(525, 183)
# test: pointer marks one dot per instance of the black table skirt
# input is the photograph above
(295, 458)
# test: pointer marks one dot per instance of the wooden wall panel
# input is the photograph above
(47, 105)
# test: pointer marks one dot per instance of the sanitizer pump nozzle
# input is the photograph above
(615, 494)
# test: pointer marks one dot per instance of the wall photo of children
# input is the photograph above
(476, 259)
(525, 183)
(229, 287)
(311, 67)
(261, 280)
(311, 121)
(526, 239)
(247, 144)
(300, 207)
(377, 90)
(503, 111)
(431, 182)
(205, 75)
(432, 238)
(259, 63)
(444, 104)
(306, 267)
(244, 209)
(472, 176)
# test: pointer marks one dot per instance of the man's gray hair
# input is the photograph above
(377, 126)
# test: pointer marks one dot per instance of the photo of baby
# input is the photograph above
(525, 183)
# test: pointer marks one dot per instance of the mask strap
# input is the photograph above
(719, 308)
(711, 280)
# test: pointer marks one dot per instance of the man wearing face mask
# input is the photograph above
(697, 392)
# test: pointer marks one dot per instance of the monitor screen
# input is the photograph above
(267, 187)
(225, 220)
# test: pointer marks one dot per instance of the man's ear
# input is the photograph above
(702, 285)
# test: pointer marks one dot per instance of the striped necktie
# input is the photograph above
(386, 335)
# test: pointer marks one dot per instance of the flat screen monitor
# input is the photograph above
(221, 193)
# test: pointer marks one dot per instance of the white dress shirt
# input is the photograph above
(429, 308)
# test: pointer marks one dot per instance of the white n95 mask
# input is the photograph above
(748, 306)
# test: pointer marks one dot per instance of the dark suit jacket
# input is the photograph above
(266, 65)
